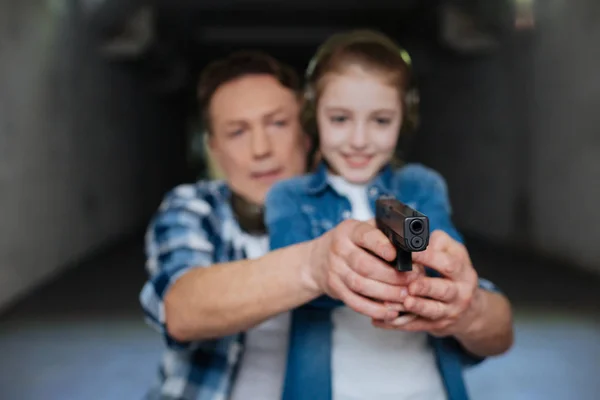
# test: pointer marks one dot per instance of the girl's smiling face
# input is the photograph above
(359, 115)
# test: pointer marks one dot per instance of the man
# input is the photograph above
(222, 300)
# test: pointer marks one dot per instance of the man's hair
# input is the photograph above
(238, 65)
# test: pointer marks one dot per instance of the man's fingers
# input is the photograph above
(394, 306)
(373, 288)
(430, 309)
(369, 266)
(411, 323)
(441, 241)
(435, 288)
(362, 305)
(370, 238)
(443, 262)
(417, 325)
(394, 323)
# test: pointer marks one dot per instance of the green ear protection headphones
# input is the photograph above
(411, 96)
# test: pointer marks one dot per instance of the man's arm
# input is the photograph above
(227, 298)
(490, 332)
(231, 297)
(188, 298)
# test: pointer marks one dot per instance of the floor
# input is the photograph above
(83, 337)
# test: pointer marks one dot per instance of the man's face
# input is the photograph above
(256, 136)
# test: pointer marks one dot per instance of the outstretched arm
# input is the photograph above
(189, 298)
(232, 297)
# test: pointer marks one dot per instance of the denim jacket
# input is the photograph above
(304, 208)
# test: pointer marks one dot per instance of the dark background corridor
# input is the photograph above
(97, 122)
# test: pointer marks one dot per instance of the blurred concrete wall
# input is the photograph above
(523, 160)
(565, 172)
(85, 151)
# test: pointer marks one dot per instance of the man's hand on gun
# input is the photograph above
(341, 268)
(442, 306)
(355, 263)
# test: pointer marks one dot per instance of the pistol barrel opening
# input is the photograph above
(416, 226)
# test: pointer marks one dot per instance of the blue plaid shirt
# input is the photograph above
(194, 228)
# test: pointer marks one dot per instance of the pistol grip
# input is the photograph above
(403, 260)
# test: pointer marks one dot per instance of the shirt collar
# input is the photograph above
(318, 181)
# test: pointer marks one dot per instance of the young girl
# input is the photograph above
(358, 102)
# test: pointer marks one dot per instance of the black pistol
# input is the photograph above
(407, 229)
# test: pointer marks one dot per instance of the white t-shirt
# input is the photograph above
(262, 369)
(372, 363)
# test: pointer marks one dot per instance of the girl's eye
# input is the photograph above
(383, 121)
(338, 119)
